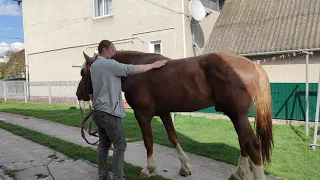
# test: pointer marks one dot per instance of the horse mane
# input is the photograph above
(137, 57)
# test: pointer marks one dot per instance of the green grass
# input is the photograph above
(41, 176)
(216, 139)
(11, 174)
(70, 149)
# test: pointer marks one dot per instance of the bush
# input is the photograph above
(15, 67)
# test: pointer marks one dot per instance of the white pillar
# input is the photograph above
(315, 135)
(307, 91)
(25, 91)
(4, 91)
(49, 88)
(307, 94)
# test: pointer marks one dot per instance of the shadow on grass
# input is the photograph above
(298, 132)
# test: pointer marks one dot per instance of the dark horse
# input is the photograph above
(229, 82)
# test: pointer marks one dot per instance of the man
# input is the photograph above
(108, 107)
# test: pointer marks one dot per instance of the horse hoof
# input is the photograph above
(145, 173)
(237, 177)
(234, 177)
(144, 176)
(184, 172)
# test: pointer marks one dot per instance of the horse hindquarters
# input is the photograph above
(235, 82)
(260, 144)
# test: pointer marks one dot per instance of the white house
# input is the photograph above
(57, 32)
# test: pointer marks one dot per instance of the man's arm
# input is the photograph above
(128, 69)
(147, 67)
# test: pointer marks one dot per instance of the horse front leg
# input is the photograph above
(185, 169)
(145, 126)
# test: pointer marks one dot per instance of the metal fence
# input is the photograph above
(52, 92)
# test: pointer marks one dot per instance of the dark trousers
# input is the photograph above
(110, 131)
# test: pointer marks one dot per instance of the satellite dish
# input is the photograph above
(197, 10)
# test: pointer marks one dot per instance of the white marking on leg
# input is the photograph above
(151, 169)
(185, 166)
(152, 165)
(258, 172)
(242, 169)
(182, 156)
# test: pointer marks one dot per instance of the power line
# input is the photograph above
(82, 19)
(165, 7)
(10, 38)
(50, 22)
(57, 28)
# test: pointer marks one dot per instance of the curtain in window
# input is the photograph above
(213, 4)
(99, 10)
(109, 6)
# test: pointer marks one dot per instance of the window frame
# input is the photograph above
(206, 3)
(152, 44)
(95, 9)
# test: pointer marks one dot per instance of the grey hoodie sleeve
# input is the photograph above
(120, 69)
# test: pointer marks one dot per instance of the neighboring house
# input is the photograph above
(274, 32)
(21, 52)
(263, 29)
(57, 32)
(3, 59)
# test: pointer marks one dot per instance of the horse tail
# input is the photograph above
(263, 114)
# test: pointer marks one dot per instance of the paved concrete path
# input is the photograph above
(29, 159)
(168, 164)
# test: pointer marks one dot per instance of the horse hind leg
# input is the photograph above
(145, 126)
(185, 169)
(242, 170)
(250, 146)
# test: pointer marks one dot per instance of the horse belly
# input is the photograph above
(183, 92)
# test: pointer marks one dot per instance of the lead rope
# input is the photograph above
(84, 120)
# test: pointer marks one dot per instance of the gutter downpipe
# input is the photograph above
(307, 52)
(183, 31)
(279, 52)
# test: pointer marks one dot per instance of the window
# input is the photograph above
(102, 8)
(213, 4)
(155, 47)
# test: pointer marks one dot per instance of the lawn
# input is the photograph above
(216, 139)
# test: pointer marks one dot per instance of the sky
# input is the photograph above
(11, 26)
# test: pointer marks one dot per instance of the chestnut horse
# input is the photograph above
(229, 82)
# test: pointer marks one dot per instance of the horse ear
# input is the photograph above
(88, 59)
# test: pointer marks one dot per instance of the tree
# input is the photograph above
(2, 70)
(15, 67)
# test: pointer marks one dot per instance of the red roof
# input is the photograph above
(21, 52)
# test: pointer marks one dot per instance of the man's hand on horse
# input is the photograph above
(159, 64)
